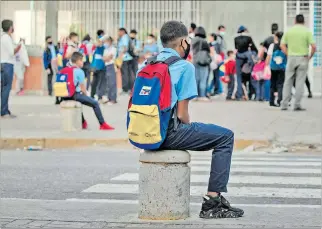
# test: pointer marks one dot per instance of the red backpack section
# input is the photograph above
(64, 85)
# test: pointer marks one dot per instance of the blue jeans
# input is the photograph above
(111, 82)
(6, 84)
(89, 101)
(260, 89)
(231, 86)
(201, 79)
(204, 137)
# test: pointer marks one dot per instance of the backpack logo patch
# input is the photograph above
(145, 90)
(278, 60)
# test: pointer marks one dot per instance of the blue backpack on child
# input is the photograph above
(149, 109)
(279, 59)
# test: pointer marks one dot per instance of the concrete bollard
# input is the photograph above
(164, 185)
(71, 112)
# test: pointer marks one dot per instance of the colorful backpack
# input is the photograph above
(83, 50)
(279, 59)
(64, 85)
(149, 109)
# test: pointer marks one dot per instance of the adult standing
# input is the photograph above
(8, 52)
(220, 47)
(270, 40)
(201, 61)
(22, 61)
(129, 66)
(49, 56)
(110, 74)
(295, 44)
(245, 46)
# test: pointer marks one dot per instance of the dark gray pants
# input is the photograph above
(98, 84)
(110, 76)
(128, 71)
(296, 69)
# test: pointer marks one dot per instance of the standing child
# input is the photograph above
(230, 72)
(110, 74)
(277, 61)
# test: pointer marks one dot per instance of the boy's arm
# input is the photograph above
(83, 88)
(183, 111)
(284, 43)
(186, 90)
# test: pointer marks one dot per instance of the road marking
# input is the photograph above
(204, 157)
(238, 179)
(108, 201)
(201, 190)
(250, 163)
(280, 170)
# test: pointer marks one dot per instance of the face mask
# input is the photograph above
(186, 51)
(213, 43)
(222, 33)
(106, 45)
(149, 41)
(50, 43)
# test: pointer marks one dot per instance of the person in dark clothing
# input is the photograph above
(199, 44)
(49, 54)
(308, 86)
(277, 70)
(270, 40)
(245, 46)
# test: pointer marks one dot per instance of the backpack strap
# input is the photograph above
(171, 60)
(151, 60)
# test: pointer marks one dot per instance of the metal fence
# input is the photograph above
(88, 16)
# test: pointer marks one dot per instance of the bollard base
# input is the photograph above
(71, 112)
(164, 188)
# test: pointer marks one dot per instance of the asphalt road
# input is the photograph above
(84, 187)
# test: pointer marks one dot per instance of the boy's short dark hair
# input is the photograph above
(123, 29)
(221, 27)
(47, 37)
(151, 35)
(172, 30)
(299, 19)
(134, 31)
(109, 38)
(100, 32)
(279, 34)
(230, 52)
(73, 34)
(87, 37)
(214, 36)
(274, 28)
(76, 56)
(193, 26)
(6, 25)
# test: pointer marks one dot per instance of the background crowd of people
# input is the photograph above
(246, 72)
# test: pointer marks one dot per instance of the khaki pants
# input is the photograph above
(296, 68)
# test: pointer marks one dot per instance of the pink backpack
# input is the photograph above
(261, 71)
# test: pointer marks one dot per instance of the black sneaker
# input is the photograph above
(218, 207)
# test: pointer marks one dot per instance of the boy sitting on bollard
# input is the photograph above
(158, 116)
(70, 85)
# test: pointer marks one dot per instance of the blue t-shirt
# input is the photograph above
(151, 48)
(183, 78)
(52, 51)
(79, 78)
(122, 44)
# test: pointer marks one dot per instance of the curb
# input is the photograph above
(61, 143)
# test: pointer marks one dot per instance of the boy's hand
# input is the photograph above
(48, 71)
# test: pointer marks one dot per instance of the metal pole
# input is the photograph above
(32, 29)
(122, 5)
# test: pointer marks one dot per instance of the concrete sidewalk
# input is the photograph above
(39, 123)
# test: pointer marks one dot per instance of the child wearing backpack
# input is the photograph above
(158, 117)
(70, 85)
(277, 61)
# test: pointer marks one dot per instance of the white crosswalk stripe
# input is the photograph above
(255, 177)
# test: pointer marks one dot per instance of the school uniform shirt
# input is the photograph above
(183, 78)
(79, 78)
(98, 62)
(122, 44)
(7, 49)
(110, 51)
(151, 48)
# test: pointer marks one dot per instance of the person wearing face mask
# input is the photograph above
(86, 49)
(98, 66)
(8, 52)
(182, 134)
(150, 47)
(201, 60)
(49, 57)
(110, 74)
(221, 44)
(72, 46)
